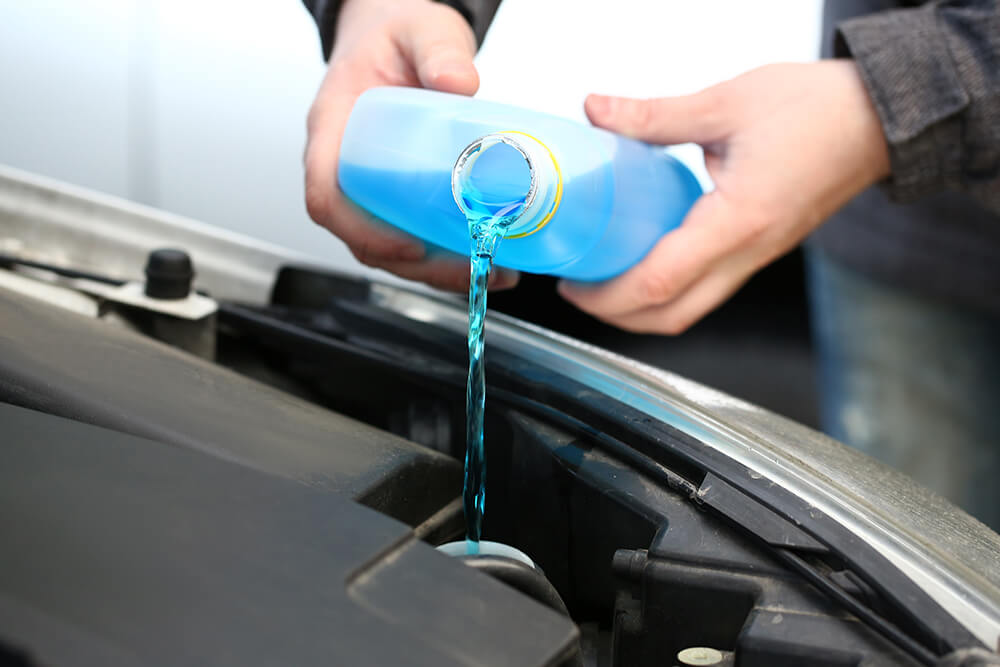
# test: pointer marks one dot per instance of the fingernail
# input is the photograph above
(448, 68)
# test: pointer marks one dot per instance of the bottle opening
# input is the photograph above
(509, 176)
(493, 178)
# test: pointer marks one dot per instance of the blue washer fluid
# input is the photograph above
(583, 203)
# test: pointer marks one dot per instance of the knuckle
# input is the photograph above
(317, 111)
(339, 66)
(754, 226)
(710, 107)
(341, 70)
(757, 220)
(389, 73)
(317, 202)
(454, 283)
(642, 116)
(447, 278)
(656, 287)
(363, 252)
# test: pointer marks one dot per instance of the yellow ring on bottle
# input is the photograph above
(559, 188)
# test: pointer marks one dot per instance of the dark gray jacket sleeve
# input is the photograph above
(325, 12)
(933, 73)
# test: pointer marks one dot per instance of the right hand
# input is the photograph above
(387, 43)
(786, 145)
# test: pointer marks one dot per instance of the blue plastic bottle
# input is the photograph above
(587, 203)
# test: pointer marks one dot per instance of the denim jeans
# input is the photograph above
(910, 381)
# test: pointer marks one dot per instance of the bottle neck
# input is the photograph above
(533, 207)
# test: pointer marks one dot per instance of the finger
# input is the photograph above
(704, 296)
(328, 206)
(502, 279)
(449, 274)
(675, 262)
(441, 52)
(697, 118)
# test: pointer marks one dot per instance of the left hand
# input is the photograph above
(387, 43)
(787, 145)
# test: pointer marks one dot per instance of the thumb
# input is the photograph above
(694, 118)
(441, 52)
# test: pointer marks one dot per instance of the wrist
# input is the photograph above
(867, 124)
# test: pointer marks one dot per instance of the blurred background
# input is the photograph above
(198, 107)
(193, 106)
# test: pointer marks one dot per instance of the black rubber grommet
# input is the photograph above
(169, 273)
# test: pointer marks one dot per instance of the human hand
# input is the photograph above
(386, 43)
(787, 145)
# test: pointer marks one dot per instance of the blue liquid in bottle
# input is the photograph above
(601, 200)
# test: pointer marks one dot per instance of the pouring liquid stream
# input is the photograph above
(487, 226)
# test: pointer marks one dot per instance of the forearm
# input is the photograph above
(326, 13)
(932, 74)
